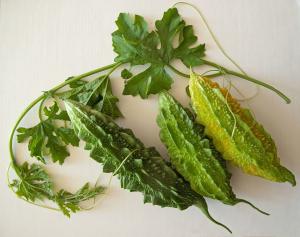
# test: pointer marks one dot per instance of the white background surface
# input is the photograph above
(44, 42)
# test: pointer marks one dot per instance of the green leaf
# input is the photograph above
(53, 112)
(151, 81)
(75, 83)
(126, 74)
(36, 142)
(167, 28)
(67, 135)
(69, 202)
(47, 136)
(134, 44)
(132, 41)
(189, 56)
(139, 168)
(34, 182)
(97, 94)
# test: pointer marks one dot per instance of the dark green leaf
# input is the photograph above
(47, 136)
(36, 142)
(151, 81)
(126, 74)
(67, 135)
(167, 28)
(134, 44)
(54, 112)
(189, 56)
(97, 94)
(75, 83)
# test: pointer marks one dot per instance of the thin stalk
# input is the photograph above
(101, 69)
(224, 70)
(41, 109)
(204, 209)
(249, 203)
(251, 79)
(217, 74)
(33, 103)
(178, 72)
(214, 37)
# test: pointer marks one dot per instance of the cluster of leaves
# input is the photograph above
(134, 44)
(51, 136)
(48, 138)
(35, 184)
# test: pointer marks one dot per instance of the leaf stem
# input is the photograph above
(204, 209)
(249, 203)
(178, 72)
(41, 108)
(224, 70)
(248, 78)
(76, 78)
(217, 74)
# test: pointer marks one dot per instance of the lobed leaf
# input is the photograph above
(34, 183)
(48, 137)
(134, 44)
(70, 202)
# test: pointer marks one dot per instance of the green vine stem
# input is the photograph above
(217, 74)
(41, 108)
(223, 71)
(248, 78)
(178, 72)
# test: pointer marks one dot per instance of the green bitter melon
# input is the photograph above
(192, 152)
(138, 168)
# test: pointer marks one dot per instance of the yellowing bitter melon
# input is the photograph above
(192, 152)
(235, 133)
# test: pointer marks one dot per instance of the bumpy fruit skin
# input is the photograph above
(235, 132)
(191, 152)
(139, 168)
